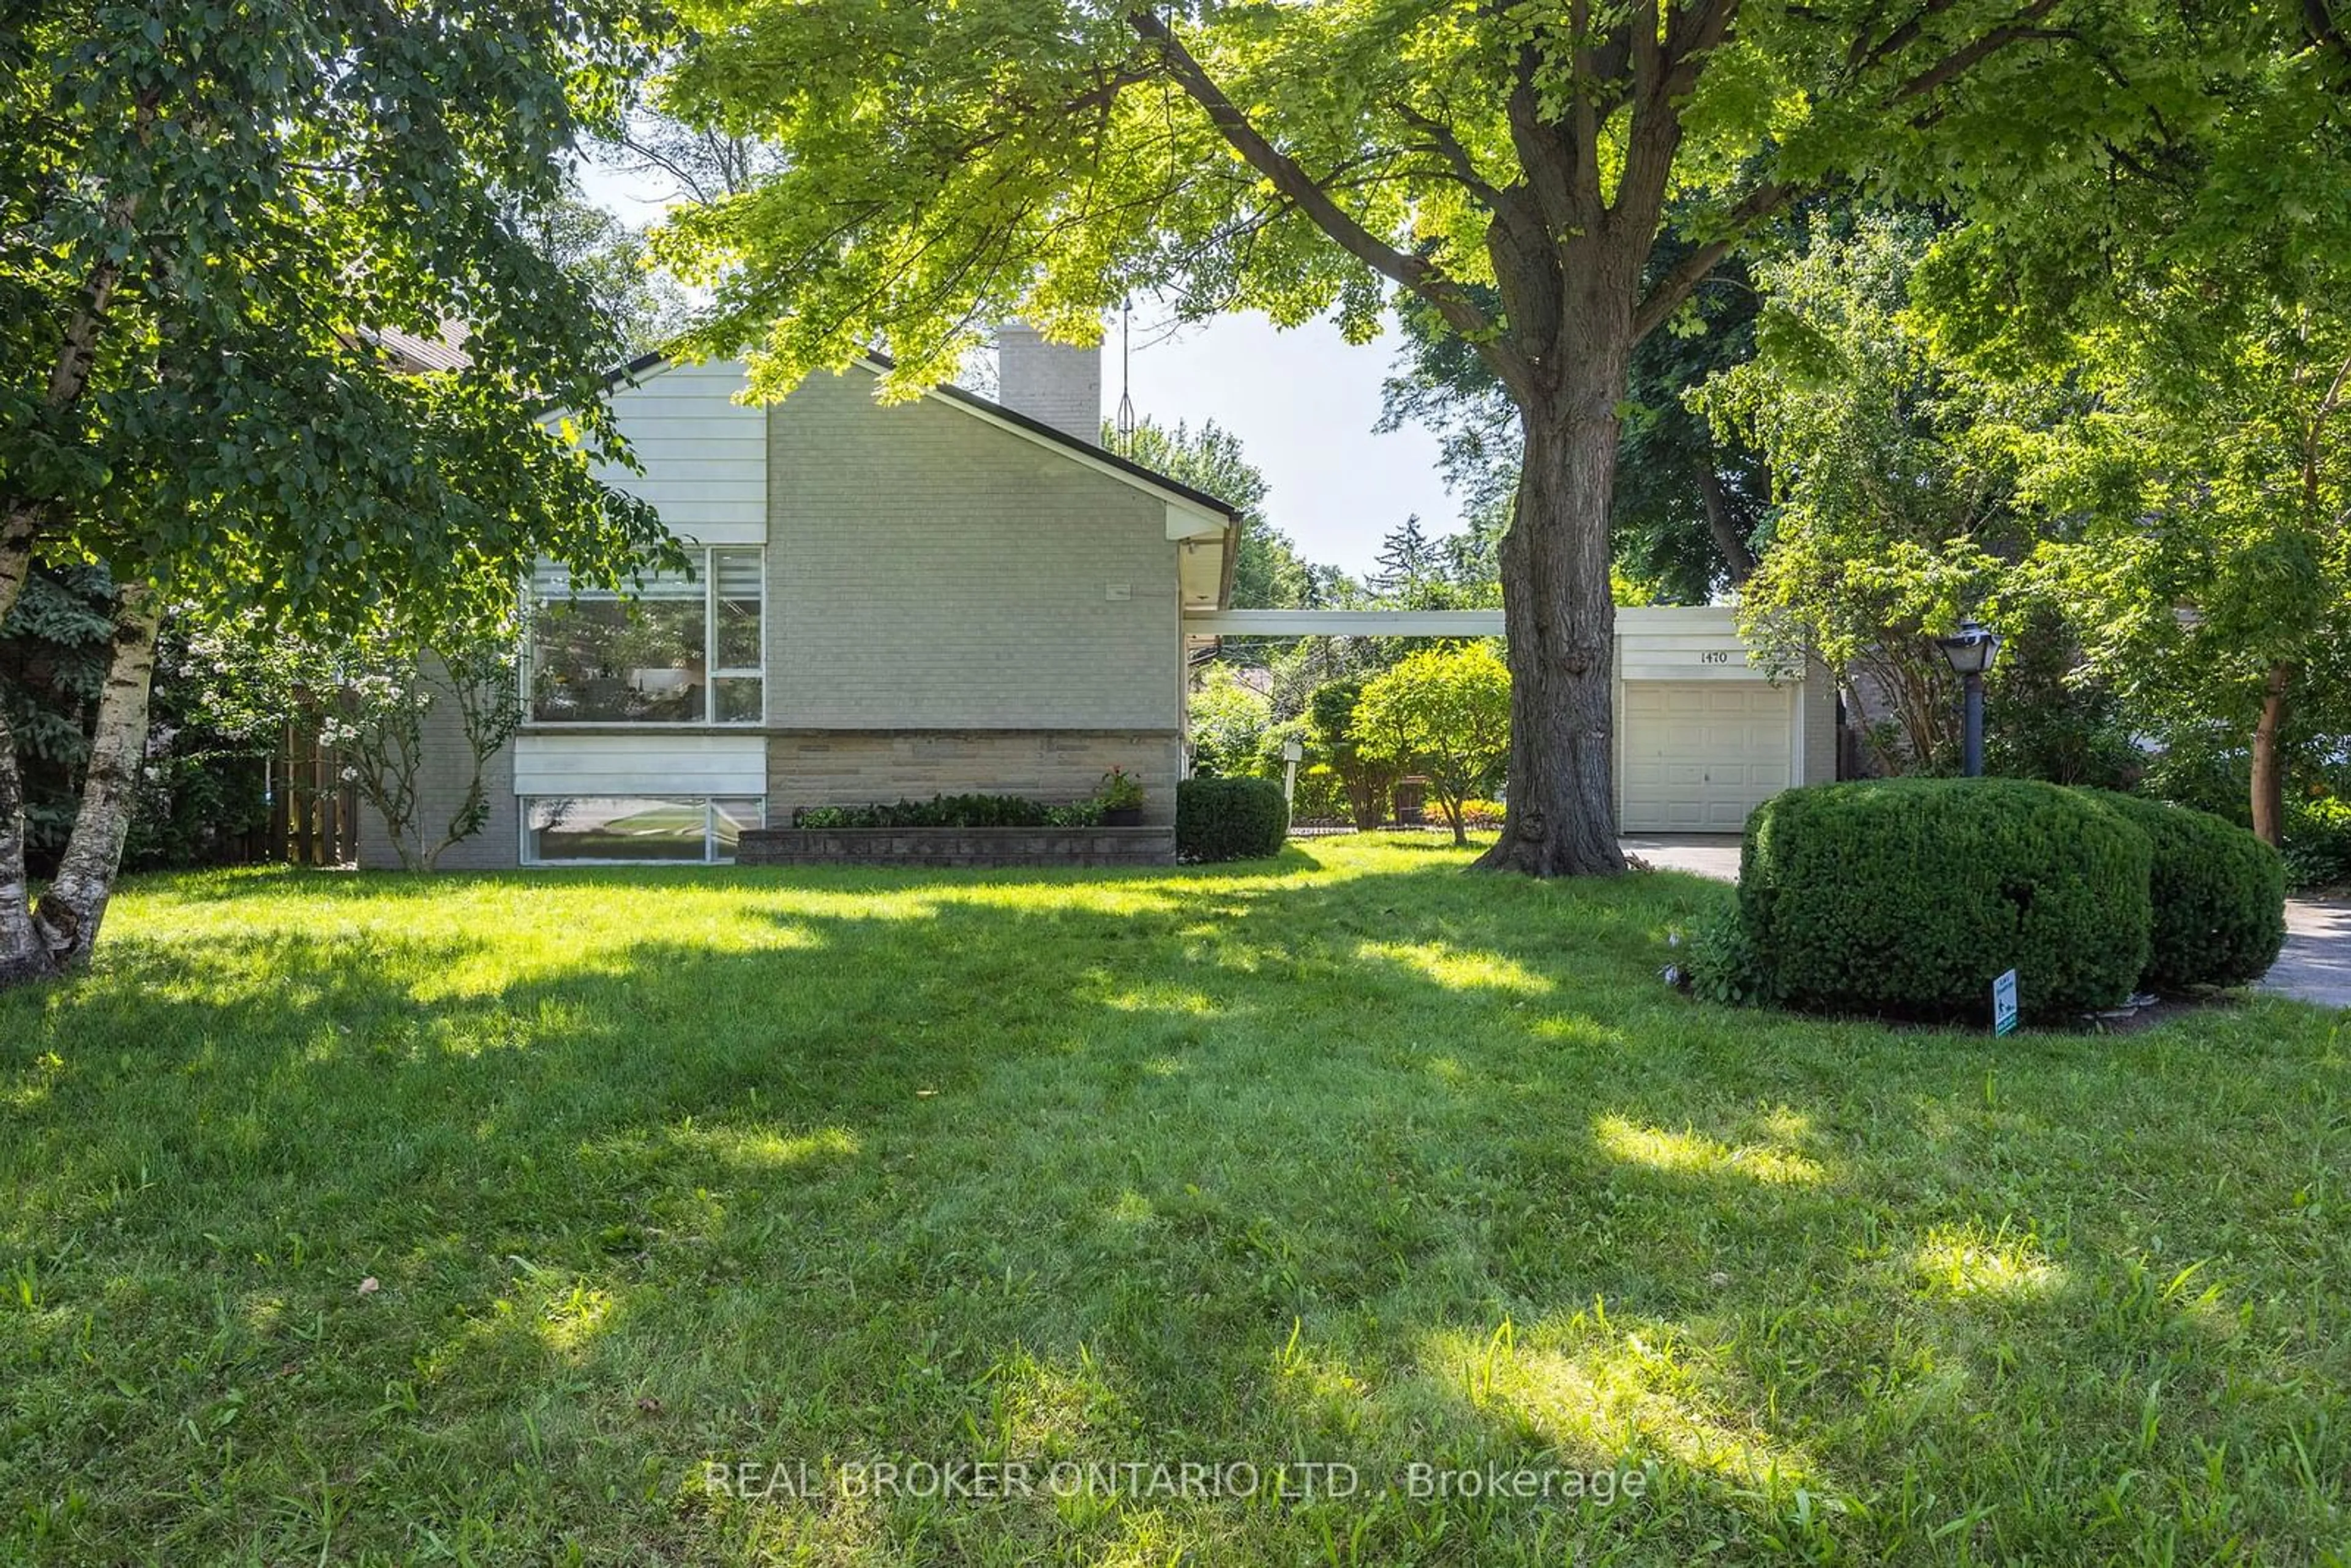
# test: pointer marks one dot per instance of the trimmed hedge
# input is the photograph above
(1229, 818)
(2219, 894)
(952, 811)
(1908, 895)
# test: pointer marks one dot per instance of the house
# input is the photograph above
(953, 594)
(965, 594)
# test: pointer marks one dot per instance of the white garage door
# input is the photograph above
(1699, 755)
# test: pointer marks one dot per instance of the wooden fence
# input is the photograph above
(314, 811)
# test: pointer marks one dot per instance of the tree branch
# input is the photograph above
(1548, 165)
(1448, 148)
(1667, 293)
(1958, 63)
(1654, 138)
(1282, 172)
(1690, 36)
(1865, 54)
(2315, 446)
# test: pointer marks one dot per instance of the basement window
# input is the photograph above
(635, 830)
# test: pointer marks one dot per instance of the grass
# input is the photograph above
(1345, 1158)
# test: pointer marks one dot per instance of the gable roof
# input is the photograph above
(989, 408)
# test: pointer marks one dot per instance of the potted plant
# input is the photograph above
(1121, 796)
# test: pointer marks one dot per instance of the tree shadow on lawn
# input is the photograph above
(212, 888)
(1402, 1165)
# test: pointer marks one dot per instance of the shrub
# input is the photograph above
(938, 811)
(2318, 842)
(1321, 795)
(1482, 814)
(1228, 721)
(2219, 897)
(1909, 895)
(1119, 791)
(1229, 818)
(1721, 962)
(1369, 781)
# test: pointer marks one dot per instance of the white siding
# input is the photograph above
(640, 762)
(705, 455)
(1698, 643)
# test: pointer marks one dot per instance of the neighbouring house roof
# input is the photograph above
(990, 408)
(415, 354)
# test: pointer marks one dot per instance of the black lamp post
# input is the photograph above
(1972, 650)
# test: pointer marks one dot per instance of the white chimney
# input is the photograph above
(1051, 383)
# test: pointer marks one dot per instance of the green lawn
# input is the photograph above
(1348, 1158)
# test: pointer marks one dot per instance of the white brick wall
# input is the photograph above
(929, 569)
(440, 783)
(1052, 382)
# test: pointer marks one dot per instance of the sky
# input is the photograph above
(1303, 402)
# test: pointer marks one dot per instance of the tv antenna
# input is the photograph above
(1125, 424)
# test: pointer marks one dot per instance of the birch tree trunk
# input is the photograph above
(73, 905)
(22, 957)
(58, 933)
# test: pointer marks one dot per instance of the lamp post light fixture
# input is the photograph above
(1293, 752)
(1972, 651)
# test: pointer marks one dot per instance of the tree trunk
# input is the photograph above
(2269, 768)
(1723, 521)
(20, 524)
(1561, 817)
(58, 934)
(22, 957)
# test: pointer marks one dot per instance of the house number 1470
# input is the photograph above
(1718, 657)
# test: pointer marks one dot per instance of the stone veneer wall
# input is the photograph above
(856, 768)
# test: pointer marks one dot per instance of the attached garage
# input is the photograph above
(1703, 736)
(1695, 757)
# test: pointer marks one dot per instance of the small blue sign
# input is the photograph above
(2003, 1004)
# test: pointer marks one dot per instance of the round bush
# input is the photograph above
(1229, 818)
(1909, 895)
(2219, 894)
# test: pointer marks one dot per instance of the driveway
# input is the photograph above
(2315, 965)
(1704, 854)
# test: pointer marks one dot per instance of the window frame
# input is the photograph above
(707, 579)
(709, 803)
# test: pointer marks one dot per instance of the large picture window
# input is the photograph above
(676, 828)
(684, 650)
